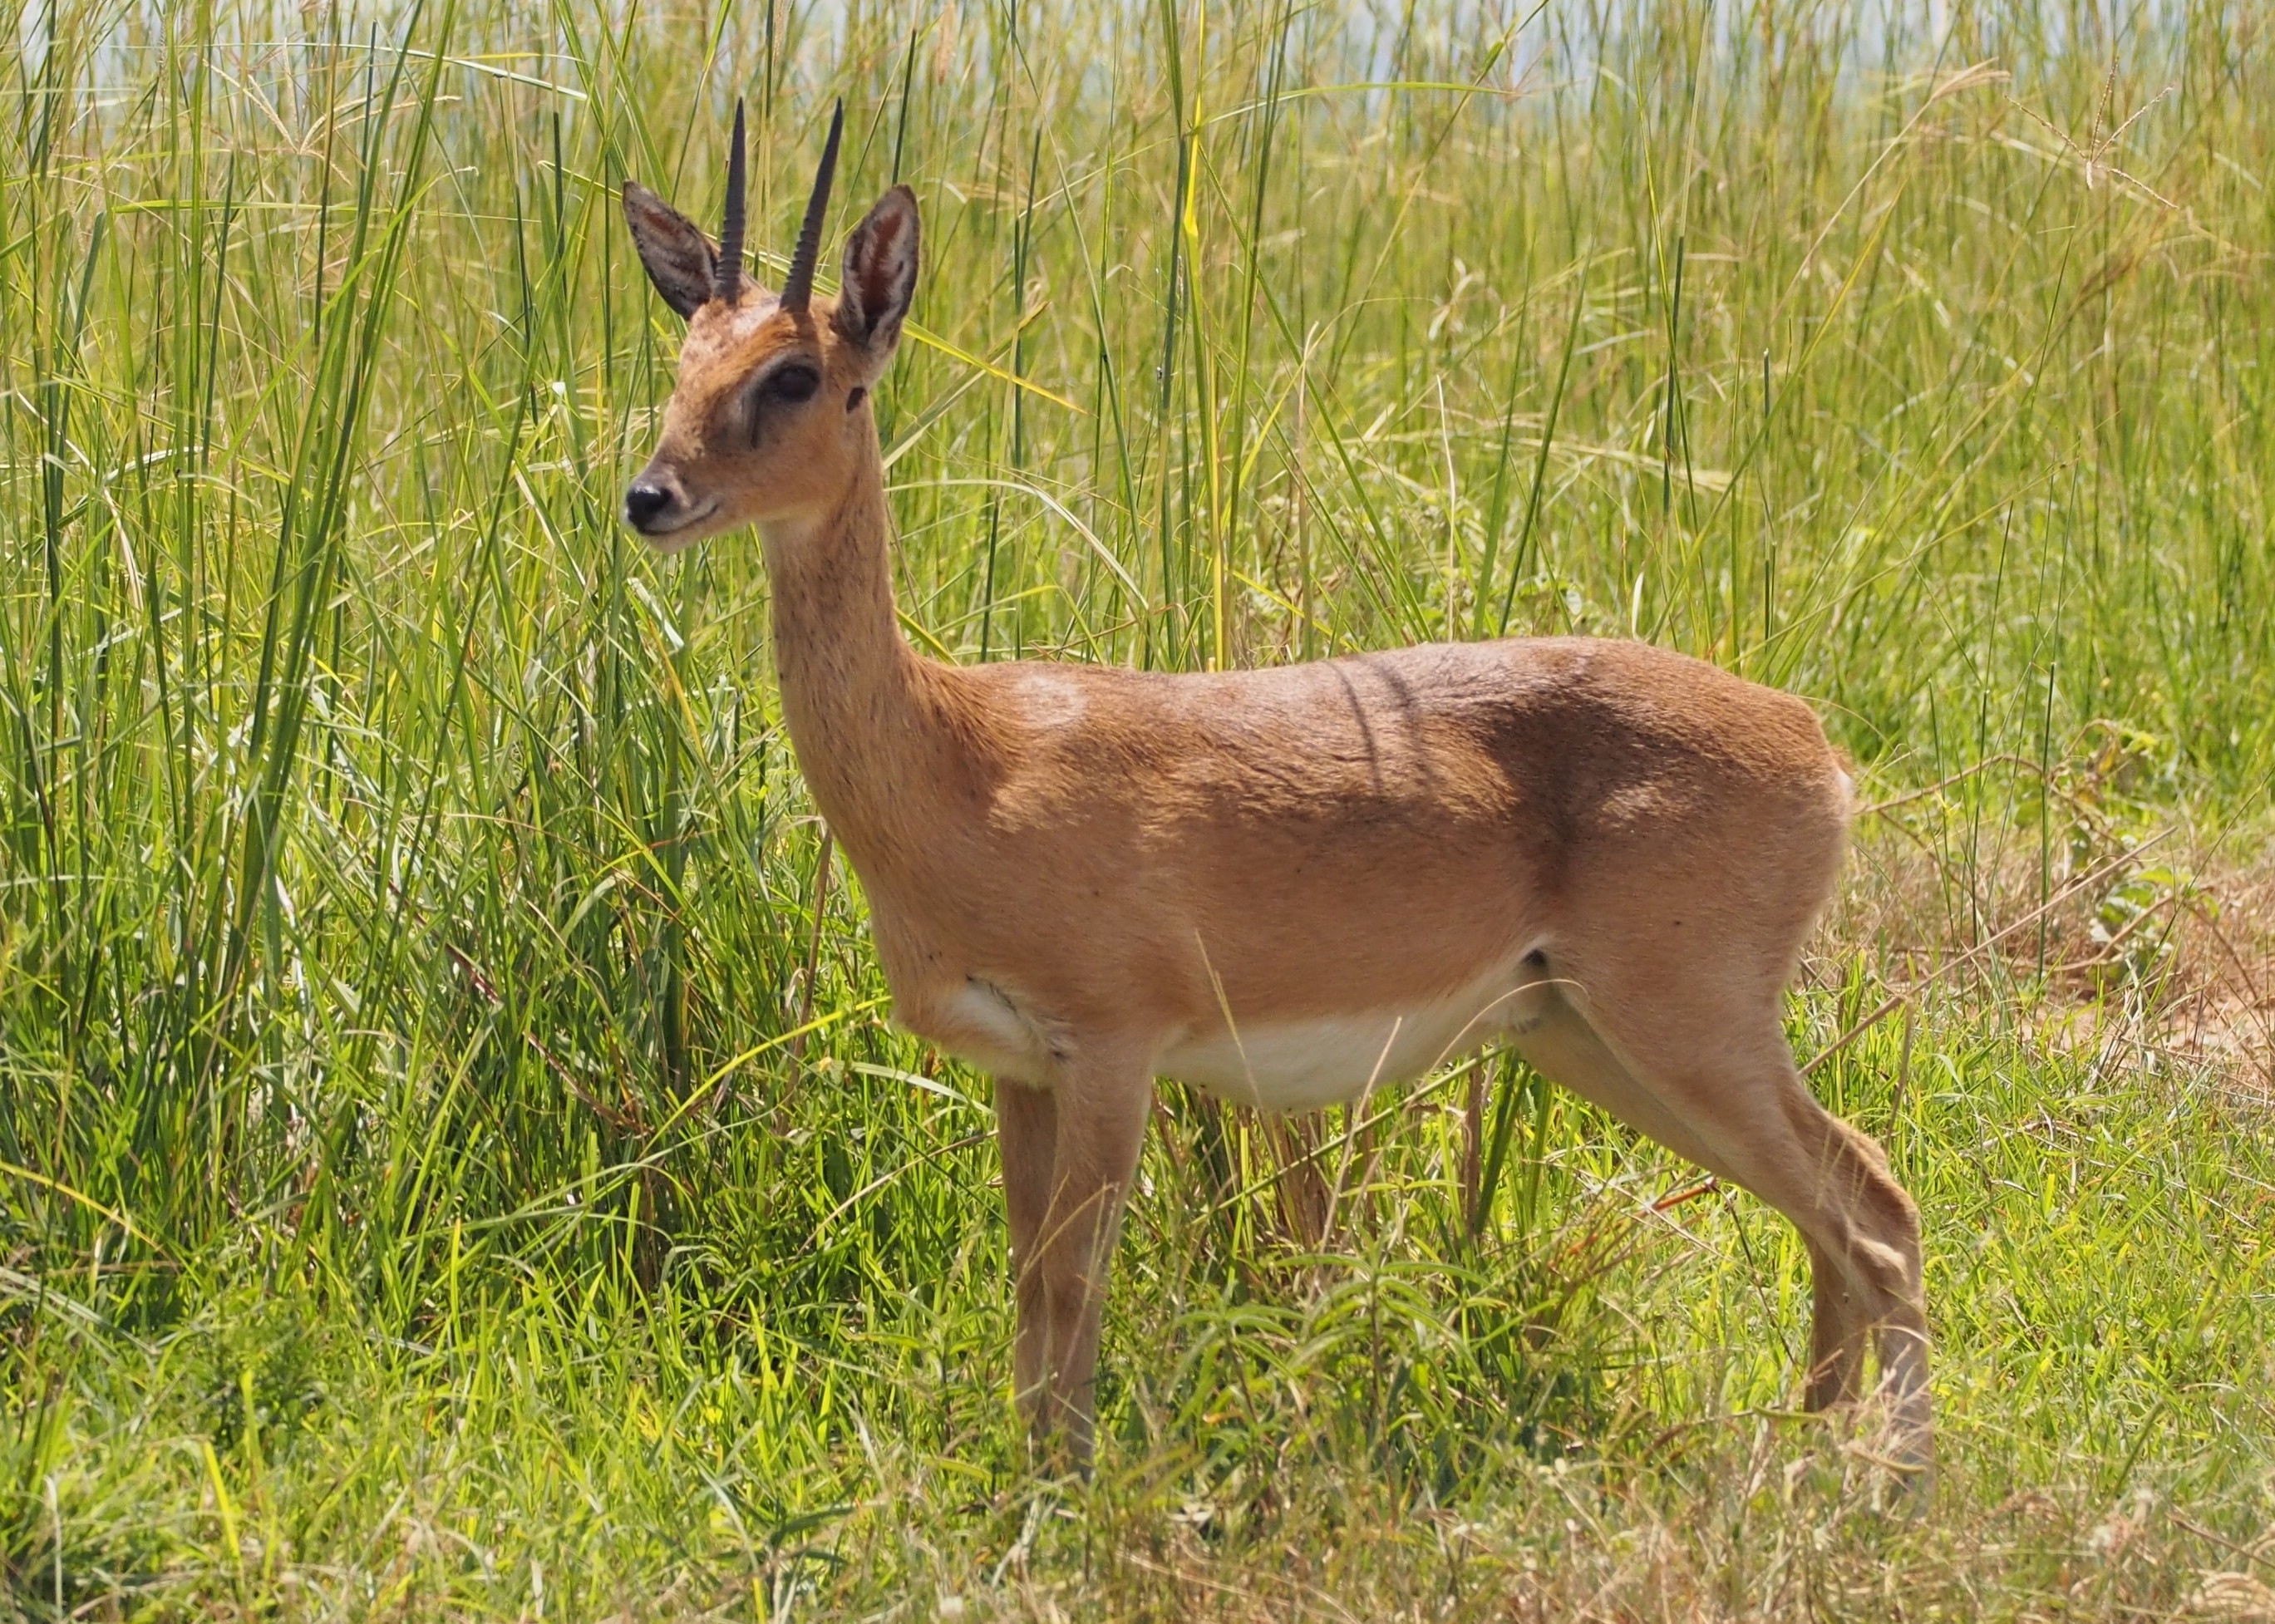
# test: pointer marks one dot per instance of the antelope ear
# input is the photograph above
(680, 259)
(880, 275)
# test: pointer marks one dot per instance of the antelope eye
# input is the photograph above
(790, 385)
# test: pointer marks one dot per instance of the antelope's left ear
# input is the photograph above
(881, 277)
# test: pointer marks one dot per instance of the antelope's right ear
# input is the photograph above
(680, 259)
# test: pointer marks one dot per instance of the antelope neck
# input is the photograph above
(851, 684)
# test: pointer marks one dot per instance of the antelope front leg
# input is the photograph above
(1026, 1130)
(1101, 1109)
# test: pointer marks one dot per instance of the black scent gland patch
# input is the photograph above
(1536, 959)
(856, 398)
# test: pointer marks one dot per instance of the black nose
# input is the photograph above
(644, 502)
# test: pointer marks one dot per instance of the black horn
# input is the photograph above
(799, 288)
(727, 284)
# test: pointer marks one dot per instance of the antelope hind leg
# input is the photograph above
(1745, 1098)
(1741, 1111)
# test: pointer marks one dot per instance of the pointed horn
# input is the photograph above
(726, 275)
(799, 288)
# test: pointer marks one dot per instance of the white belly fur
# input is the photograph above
(1302, 1065)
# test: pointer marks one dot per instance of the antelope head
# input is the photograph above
(769, 417)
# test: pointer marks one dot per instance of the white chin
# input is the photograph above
(685, 535)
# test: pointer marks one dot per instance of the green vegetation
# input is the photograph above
(454, 1160)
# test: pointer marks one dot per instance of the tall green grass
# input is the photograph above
(454, 1161)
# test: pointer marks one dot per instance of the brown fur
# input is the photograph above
(1073, 872)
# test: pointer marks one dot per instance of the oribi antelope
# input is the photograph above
(1283, 886)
